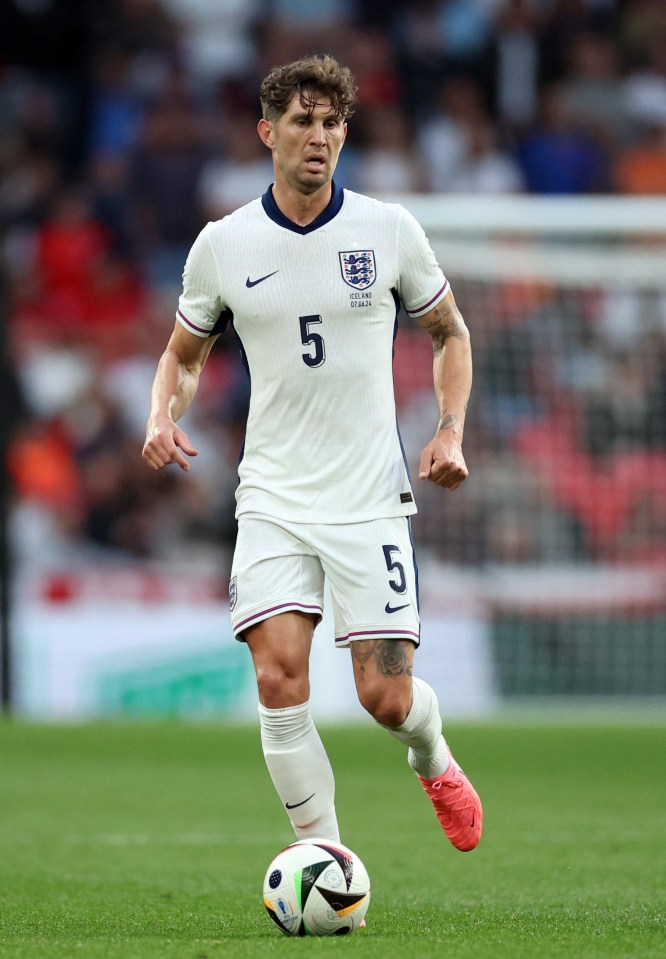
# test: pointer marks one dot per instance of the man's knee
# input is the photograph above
(383, 676)
(280, 649)
(280, 684)
(388, 705)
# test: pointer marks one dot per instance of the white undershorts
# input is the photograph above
(279, 566)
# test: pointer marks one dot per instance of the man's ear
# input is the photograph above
(266, 135)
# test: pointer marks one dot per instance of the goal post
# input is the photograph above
(560, 531)
(575, 240)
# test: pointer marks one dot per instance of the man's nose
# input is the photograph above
(317, 134)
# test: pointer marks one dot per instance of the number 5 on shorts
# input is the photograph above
(399, 585)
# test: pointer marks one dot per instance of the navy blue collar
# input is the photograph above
(275, 213)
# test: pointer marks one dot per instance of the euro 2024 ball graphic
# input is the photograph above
(316, 887)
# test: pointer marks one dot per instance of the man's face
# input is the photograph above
(305, 143)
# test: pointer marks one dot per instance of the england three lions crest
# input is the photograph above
(358, 268)
(233, 594)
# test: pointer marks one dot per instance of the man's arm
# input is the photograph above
(174, 388)
(442, 460)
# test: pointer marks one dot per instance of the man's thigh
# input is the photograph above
(273, 572)
(373, 577)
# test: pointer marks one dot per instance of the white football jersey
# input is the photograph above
(315, 309)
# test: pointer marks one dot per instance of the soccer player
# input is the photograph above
(311, 277)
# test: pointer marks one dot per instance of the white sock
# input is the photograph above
(422, 732)
(300, 770)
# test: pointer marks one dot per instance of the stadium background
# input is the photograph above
(125, 126)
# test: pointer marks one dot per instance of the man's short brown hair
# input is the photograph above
(311, 79)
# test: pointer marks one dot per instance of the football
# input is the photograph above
(316, 887)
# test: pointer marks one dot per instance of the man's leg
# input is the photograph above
(408, 708)
(294, 753)
(400, 702)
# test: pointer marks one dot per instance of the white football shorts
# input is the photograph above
(280, 566)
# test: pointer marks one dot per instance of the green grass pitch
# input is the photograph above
(132, 841)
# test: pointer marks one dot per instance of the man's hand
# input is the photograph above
(442, 461)
(164, 442)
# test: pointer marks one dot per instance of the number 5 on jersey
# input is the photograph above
(313, 340)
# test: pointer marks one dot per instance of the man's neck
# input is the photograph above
(301, 208)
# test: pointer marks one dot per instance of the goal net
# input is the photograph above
(560, 531)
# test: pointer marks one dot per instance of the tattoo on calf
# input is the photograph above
(390, 656)
(392, 659)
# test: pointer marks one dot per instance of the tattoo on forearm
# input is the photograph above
(448, 420)
(391, 656)
(445, 322)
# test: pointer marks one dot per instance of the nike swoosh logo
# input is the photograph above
(303, 801)
(394, 609)
(250, 283)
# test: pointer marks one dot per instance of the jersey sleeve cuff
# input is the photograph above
(201, 331)
(420, 310)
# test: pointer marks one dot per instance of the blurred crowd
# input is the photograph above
(125, 125)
